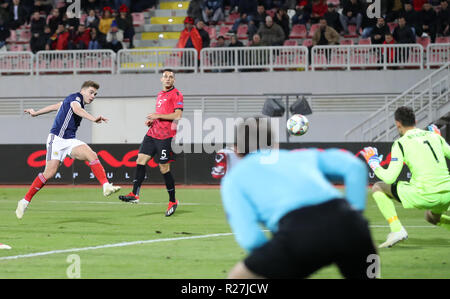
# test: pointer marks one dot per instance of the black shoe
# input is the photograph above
(130, 197)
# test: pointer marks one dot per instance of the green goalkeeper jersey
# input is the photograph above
(425, 153)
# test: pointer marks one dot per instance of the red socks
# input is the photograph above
(37, 184)
(98, 171)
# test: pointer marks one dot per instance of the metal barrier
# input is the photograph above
(76, 61)
(16, 63)
(253, 58)
(366, 56)
(437, 55)
(156, 60)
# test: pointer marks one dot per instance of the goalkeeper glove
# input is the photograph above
(435, 129)
(372, 158)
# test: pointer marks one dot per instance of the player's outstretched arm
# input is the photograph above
(45, 110)
(78, 110)
(389, 175)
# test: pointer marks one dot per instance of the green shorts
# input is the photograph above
(411, 197)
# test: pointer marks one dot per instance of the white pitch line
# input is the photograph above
(148, 242)
(111, 246)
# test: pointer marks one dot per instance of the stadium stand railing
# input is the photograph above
(75, 61)
(253, 58)
(282, 58)
(154, 60)
(430, 99)
(367, 56)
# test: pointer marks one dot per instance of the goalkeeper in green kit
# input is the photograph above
(425, 153)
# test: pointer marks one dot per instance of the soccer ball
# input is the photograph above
(297, 125)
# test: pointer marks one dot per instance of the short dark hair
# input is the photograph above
(252, 134)
(405, 116)
(90, 83)
(167, 70)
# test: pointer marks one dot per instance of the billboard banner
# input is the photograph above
(21, 163)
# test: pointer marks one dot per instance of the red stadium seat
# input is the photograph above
(13, 36)
(442, 40)
(224, 30)
(232, 18)
(313, 29)
(25, 35)
(392, 26)
(424, 41)
(346, 42)
(16, 48)
(364, 41)
(138, 18)
(211, 31)
(298, 31)
(352, 30)
(242, 32)
(290, 42)
(307, 43)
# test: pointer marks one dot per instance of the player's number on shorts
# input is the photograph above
(432, 150)
(163, 154)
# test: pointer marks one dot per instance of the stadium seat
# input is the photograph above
(271, 12)
(424, 41)
(231, 18)
(352, 30)
(313, 29)
(346, 42)
(442, 40)
(13, 36)
(364, 41)
(242, 32)
(25, 35)
(16, 48)
(211, 31)
(82, 19)
(290, 42)
(224, 30)
(138, 19)
(307, 43)
(298, 31)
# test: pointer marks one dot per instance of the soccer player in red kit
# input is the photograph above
(157, 142)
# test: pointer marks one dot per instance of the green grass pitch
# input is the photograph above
(194, 243)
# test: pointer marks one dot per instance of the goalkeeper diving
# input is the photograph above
(425, 153)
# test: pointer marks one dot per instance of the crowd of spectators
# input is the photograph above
(104, 24)
(273, 20)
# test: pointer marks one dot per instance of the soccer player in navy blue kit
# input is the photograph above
(61, 141)
(313, 225)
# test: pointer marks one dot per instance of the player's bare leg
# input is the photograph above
(240, 271)
(51, 167)
(133, 196)
(382, 194)
(85, 153)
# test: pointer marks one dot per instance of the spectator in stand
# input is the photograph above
(80, 40)
(94, 43)
(302, 12)
(247, 11)
(367, 23)
(378, 32)
(332, 18)
(256, 21)
(212, 11)
(318, 10)
(17, 15)
(220, 42)
(37, 23)
(282, 19)
(443, 19)
(427, 18)
(87, 5)
(114, 38)
(54, 20)
(106, 20)
(351, 13)
(271, 34)
(195, 10)
(394, 7)
(4, 10)
(4, 33)
(44, 6)
(235, 42)
(256, 41)
(403, 34)
(125, 23)
(204, 34)
(390, 53)
(411, 18)
(190, 37)
(92, 21)
(325, 35)
(59, 40)
(39, 40)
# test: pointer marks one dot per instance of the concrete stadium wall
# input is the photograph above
(127, 99)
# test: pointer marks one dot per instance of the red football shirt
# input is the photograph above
(166, 103)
